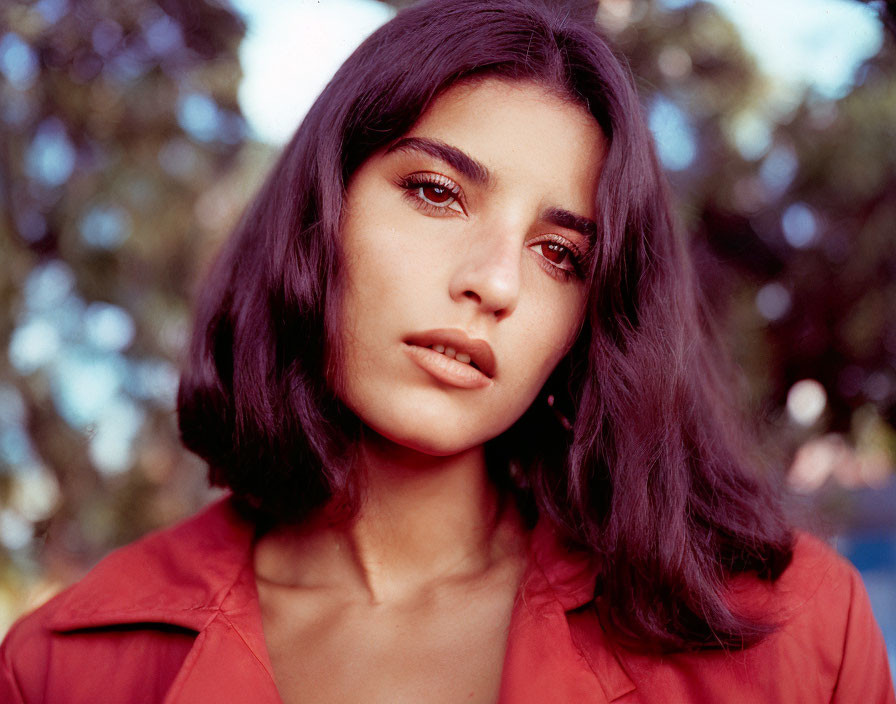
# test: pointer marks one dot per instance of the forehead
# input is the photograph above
(520, 131)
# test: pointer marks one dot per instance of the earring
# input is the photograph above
(564, 421)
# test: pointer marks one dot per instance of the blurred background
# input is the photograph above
(133, 133)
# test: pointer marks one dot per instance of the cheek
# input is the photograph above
(368, 264)
(553, 329)
(381, 259)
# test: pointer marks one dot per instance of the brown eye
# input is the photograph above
(555, 253)
(435, 194)
(559, 260)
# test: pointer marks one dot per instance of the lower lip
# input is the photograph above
(446, 369)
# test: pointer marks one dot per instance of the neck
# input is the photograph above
(423, 519)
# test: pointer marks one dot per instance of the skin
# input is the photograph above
(411, 599)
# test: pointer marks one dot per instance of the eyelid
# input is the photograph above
(578, 256)
(560, 239)
(433, 177)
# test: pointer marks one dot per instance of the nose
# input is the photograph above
(488, 270)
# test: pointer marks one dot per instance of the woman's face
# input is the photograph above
(464, 234)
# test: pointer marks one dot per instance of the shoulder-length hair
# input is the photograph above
(648, 475)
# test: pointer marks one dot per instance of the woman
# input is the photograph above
(454, 371)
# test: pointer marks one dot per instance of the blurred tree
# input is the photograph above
(117, 120)
(791, 206)
(837, 220)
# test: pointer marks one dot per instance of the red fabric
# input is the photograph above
(175, 618)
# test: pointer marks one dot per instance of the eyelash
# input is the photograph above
(573, 256)
(413, 185)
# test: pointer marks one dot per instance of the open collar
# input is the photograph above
(207, 585)
(543, 663)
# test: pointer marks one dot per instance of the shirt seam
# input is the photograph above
(11, 676)
(843, 644)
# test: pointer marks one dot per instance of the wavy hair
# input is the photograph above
(640, 459)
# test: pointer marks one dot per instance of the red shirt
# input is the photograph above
(175, 618)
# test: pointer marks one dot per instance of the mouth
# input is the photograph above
(453, 357)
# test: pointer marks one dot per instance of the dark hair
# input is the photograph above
(650, 476)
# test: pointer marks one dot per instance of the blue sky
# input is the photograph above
(293, 47)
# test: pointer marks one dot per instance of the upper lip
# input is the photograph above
(481, 354)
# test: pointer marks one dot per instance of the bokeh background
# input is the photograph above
(133, 133)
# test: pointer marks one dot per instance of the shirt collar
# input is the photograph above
(180, 576)
(543, 662)
(203, 558)
(208, 585)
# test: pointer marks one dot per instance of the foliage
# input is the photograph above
(790, 199)
(118, 120)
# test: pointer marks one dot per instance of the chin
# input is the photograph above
(432, 439)
(432, 443)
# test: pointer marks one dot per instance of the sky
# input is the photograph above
(293, 47)
(815, 41)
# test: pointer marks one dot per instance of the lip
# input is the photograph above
(475, 375)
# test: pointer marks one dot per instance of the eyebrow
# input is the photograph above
(479, 173)
(564, 218)
(452, 156)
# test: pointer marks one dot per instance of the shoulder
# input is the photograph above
(828, 623)
(818, 581)
(827, 646)
(819, 602)
(174, 570)
(828, 638)
(158, 592)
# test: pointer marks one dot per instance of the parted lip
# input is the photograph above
(481, 355)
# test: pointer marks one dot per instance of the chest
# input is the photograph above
(441, 647)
